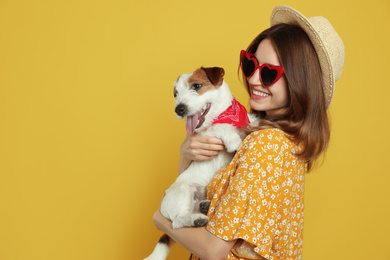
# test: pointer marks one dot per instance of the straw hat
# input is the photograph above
(326, 41)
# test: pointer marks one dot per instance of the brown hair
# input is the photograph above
(305, 119)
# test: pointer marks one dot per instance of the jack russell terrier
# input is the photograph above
(204, 98)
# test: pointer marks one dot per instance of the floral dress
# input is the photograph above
(258, 199)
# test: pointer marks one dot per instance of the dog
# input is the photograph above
(204, 98)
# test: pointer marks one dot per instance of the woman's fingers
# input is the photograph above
(204, 155)
(200, 147)
(209, 144)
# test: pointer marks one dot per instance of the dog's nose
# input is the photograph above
(181, 110)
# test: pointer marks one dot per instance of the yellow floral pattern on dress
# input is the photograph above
(258, 199)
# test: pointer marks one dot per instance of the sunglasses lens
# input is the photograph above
(268, 76)
(247, 66)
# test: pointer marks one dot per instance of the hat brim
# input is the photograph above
(285, 14)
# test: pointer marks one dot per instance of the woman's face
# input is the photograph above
(271, 99)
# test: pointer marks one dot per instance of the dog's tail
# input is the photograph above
(162, 248)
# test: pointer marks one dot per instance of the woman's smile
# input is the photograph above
(257, 94)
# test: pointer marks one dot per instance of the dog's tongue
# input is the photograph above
(192, 122)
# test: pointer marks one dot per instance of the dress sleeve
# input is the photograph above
(248, 207)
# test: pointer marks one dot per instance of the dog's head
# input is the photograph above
(198, 97)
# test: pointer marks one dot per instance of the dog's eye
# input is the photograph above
(174, 92)
(196, 86)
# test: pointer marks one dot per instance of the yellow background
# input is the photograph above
(89, 140)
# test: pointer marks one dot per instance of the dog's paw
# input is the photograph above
(201, 221)
(254, 120)
(233, 143)
(229, 135)
(204, 206)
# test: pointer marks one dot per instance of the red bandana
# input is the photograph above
(235, 115)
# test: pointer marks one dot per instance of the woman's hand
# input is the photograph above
(158, 220)
(197, 240)
(201, 147)
(198, 148)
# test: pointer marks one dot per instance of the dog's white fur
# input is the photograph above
(181, 201)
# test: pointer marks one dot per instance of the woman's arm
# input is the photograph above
(197, 240)
(198, 148)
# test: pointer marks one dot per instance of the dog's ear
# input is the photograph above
(214, 74)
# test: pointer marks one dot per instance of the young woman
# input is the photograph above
(257, 206)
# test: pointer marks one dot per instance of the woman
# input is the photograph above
(257, 206)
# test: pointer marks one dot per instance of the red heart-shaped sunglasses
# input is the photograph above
(268, 74)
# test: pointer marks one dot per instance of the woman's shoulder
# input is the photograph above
(269, 139)
(269, 135)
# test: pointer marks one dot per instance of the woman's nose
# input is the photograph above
(255, 79)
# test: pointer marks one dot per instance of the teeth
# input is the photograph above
(205, 108)
(261, 94)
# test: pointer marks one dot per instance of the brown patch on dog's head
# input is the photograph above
(205, 79)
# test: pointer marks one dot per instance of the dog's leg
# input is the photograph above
(232, 142)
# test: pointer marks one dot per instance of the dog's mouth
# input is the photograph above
(197, 120)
